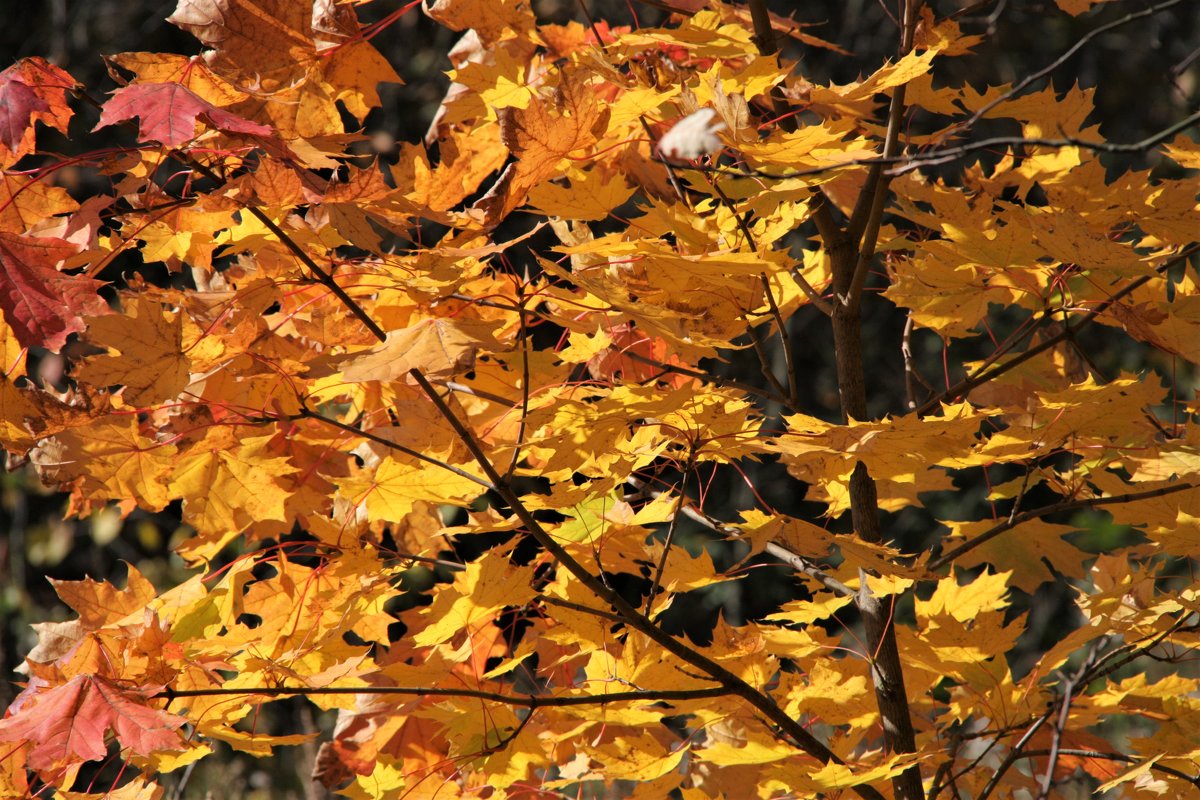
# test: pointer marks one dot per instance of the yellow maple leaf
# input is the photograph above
(478, 594)
(228, 482)
(110, 459)
(391, 491)
(492, 20)
(440, 347)
(145, 352)
(590, 195)
(636, 757)
(985, 594)
(541, 136)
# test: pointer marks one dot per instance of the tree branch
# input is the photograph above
(849, 252)
(308, 413)
(906, 163)
(863, 228)
(528, 701)
(760, 701)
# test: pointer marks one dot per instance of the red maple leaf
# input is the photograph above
(67, 724)
(616, 361)
(167, 113)
(43, 305)
(30, 90)
(18, 103)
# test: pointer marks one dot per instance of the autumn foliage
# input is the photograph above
(558, 329)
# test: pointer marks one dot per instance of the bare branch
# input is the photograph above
(863, 228)
(671, 527)
(1024, 83)
(523, 336)
(1069, 687)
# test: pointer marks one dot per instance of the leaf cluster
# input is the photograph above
(521, 332)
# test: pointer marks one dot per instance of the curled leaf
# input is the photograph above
(693, 136)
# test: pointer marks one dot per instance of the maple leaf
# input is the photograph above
(392, 491)
(19, 102)
(113, 459)
(440, 348)
(68, 723)
(167, 113)
(146, 354)
(302, 58)
(42, 305)
(229, 482)
(542, 135)
(32, 90)
(99, 603)
(191, 73)
(1077, 7)
(28, 205)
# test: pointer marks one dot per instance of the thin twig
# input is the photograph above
(867, 218)
(674, 524)
(1010, 342)
(308, 413)
(806, 567)
(910, 389)
(764, 363)
(675, 184)
(596, 612)
(1013, 754)
(1024, 83)
(812, 294)
(1069, 505)
(1069, 687)
(981, 377)
(780, 323)
(523, 334)
(952, 780)
(1012, 514)
(1132, 654)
